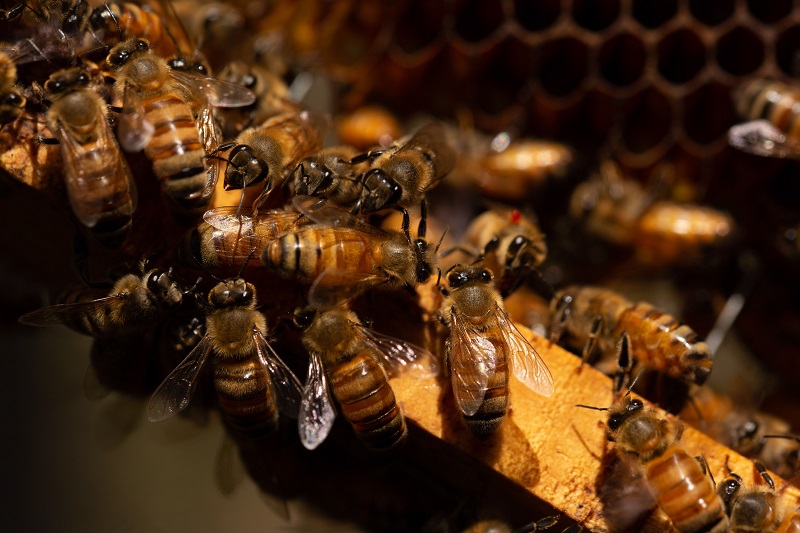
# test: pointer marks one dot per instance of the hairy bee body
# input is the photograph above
(756, 509)
(115, 22)
(99, 183)
(483, 345)
(329, 174)
(133, 302)
(771, 100)
(657, 339)
(174, 146)
(243, 386)
(683, 489)
(357, 378)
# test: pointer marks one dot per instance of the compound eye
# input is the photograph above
(201, 69)
(249, 81)
(485, 276)
(154, 282)
(13, 99)
(457, 279)
(83, 79)
(142, 45)
(615, 421)
(635, 405)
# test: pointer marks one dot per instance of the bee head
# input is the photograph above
(380, 191)
(232, 292)
(164, 288)
(192, 67)
(303, 317)
(65, 80)
(244, 168)
(728, 489)
(124, 51)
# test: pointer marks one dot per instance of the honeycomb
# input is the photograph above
(640, 79)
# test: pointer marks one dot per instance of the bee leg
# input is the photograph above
(46, 140)
(563, 310)
(706, 470)
(622, 376)
(591, 342)
(406, 225)
(544, 523)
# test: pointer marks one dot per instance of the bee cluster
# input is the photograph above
(284, 278)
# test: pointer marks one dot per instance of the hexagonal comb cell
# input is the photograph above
(787, 50)
(536, 16)
(622, 59)
(712, 12)
(354, 38)
(475, 20)
(412, 32)
(708, 112)
(681, 56)
(508, 69)
(564, 65)
(595, 15)
(653, 14)
(647, 121)
(740, 51)
(771, 11)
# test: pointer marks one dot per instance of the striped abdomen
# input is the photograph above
(367, 401)
(232, 246)
(130, 20)
(177, 153)
(246, 395)
(100, 187)
(773, 101)
(685, 493)
(490, 414)
(303, 255)
(127, 309)
(661, 342)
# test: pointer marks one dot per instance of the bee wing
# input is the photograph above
(56, 315)
(761, 137)
(133, 128)
(401, 356)
(219, 93)
(334, 286)
(175, 392)
(527, 364)
(287, 386)
(317, 412)
(330, 215)
(88, 193)
(473, 359)
(229, 218)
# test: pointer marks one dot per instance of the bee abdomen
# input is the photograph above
(490, 414)
(305, 254)
(368, 402)
(663, 343)
(685, 493)
(246, 396)
(773, 101)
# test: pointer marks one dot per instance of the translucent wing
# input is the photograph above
(317, 412)
(527, 365)
(473, 359)
(761, 137)
(91, 195)
(330, 215)
(334, 286)
(401, 356)
(133, 129)
(175, 392)
(219, 93)
(230, 218)
(56, 315)
(287, 386)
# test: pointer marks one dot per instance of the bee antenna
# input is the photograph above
(250, 256)
(792, 437)
(439, 277)
(634, 381)
(422, 228)
(592, 407)
(441, 239)
(193, 288)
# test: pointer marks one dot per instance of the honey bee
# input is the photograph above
(594, 318)
(624, 213)
(355, 361)
(251, 380)
(115, 22)
(12, 102)
(754, 434)
(133, 302)
(329, 174)
(683, 490)
(770, 109)
(400, 175)
(756, 508)
(270, 151)
(229, 236)
(509, 169)
(272, 97)
(483, 343)
(100, 186)
(513, 246)
(158, 117)
(340, 250)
